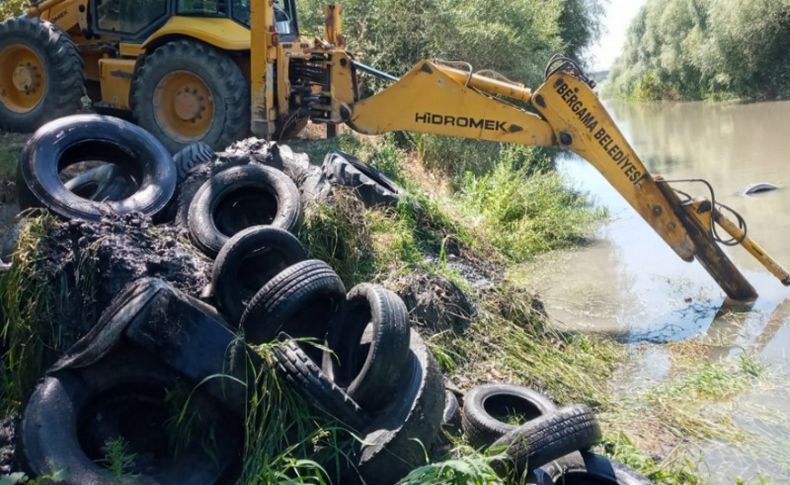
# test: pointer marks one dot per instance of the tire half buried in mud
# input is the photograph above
(90, 138)
(74, 413)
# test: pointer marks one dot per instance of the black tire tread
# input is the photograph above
(278, 295)
(66, 81)
(549, 437)
(483, 429)
(190, 157)
(388, 354)
(310, 381)
(202, 228)
(231, 257)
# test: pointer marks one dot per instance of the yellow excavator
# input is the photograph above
(215, 71)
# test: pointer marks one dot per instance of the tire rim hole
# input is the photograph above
(243, 208)
(137, 414)
(118, 173)
(510, 409)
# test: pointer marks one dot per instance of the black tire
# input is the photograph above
(61, 430)
(229, 89)
(585, 467)
(248, 261)
(316, 388)
(301, 301)
(63, 75)
(104, 183)
(372, 381)
(190, 157)
(486, 407)
(78, 138)
(410, 425)
(451, 418)
(547, 438)
(242, 197)
(371, 186)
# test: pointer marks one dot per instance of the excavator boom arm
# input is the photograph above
(435, 98)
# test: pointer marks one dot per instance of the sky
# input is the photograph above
(618, 16)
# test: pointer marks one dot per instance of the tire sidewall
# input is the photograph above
(41, 159)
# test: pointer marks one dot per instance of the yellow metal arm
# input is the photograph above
(435, 98)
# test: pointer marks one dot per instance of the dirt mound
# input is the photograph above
(90, 263)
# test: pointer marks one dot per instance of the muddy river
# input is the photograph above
(629, 284)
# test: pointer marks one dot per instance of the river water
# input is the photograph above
(629, 284)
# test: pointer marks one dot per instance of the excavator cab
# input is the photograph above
(139, 19)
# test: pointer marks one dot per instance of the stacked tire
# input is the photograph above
(532, 437)
(351, 355)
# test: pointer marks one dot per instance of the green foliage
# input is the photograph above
(119, 460)
(470, 468)
(19, 478)
(28, 306)
(682, 471)
(282, 431)
(515, 38)
(12, 8)
(10, 147)
(340, 235)
(523, 209)
(696, 49)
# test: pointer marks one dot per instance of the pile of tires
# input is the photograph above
(532, 437)
(351, 354)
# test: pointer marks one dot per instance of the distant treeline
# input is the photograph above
(706, 49)
(515, 38)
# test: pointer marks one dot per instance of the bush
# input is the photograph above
(696, 49)
(11, 8)
(523, 209)
(515, 38)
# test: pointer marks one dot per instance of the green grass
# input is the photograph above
(28, 304)
(119, 460)
(10, 147)
(523, 213)
(285, 440)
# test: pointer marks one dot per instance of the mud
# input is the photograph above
(435, 303)
(7, 445)
(101, 259)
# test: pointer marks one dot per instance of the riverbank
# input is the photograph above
(456, 243)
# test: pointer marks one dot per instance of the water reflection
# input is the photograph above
(628, 283)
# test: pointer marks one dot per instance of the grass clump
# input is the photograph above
(677, 469)
(510, 342)
(29, 304)
(466, 467)
(10, 147)
(523, 213)
(340, 235)
(119, 460)
(685, 403)
(285, 440)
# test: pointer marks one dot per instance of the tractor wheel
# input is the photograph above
(187, 92)
(41, 74)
